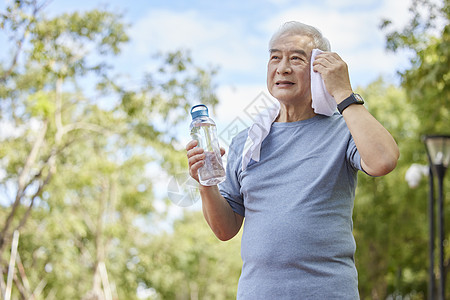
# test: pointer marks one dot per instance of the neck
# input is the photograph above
(294, 113)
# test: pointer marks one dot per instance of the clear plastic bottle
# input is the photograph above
(203, 129)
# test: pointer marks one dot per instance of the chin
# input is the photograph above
(284, 98)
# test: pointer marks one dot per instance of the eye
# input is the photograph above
(274, 57)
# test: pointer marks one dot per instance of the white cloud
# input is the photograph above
(166, 30)
(214, 41)
(9, 130)
(344, 29)
(239, 47)
(234, 100)
(396, 11)
(353, 33)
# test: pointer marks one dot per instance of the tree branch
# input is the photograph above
(21, 40)
(23, 276)
(32, 157)
(38, 290)
(37, 194)
(21, 181)
(11, 267)
(86, 126)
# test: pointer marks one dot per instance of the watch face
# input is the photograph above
(358, 98)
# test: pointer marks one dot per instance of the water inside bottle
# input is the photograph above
(212, 172)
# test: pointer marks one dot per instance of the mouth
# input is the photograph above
(284, 83)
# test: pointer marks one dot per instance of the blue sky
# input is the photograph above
(233, 36)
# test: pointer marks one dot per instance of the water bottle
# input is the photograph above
(203, 129)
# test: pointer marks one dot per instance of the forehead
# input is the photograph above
(292, 43)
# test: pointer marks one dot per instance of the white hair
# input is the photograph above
(297, 28)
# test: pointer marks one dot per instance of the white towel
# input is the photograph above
(257, 133)
(322, 103)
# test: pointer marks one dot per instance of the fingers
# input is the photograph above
(195, 157)
(327, 60)
(328, 56)
(192, 150)
(334, 72)
(191, 145)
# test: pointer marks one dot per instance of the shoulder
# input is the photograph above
(336, 121)
(335, 118)
(331, 129)
(235, 149)
(238, 141)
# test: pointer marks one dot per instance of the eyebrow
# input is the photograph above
(301, 52)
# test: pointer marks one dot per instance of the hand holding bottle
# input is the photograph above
(208, 169)
(196, 158)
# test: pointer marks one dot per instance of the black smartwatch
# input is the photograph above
(352, 99)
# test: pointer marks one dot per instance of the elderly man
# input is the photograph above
(297, 197)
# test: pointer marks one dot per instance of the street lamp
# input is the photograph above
(438, 151)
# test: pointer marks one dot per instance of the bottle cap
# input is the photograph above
(199, 110)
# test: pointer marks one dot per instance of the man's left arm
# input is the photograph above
(378, 149)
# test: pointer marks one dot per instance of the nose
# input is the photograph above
(284, 67)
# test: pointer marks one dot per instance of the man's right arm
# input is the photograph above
(219, 215)
(224, 222)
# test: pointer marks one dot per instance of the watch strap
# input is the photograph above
(352, 99)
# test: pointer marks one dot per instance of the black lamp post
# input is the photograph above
(438, 150)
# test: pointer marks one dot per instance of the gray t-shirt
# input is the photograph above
(297, 201)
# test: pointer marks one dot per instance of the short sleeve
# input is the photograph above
(353, 156)
(230, 189)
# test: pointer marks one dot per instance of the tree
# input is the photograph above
(191, 263)
(426, 82)
(390, 225)
(75, 161)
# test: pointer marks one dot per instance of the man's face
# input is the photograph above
(288, 69)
